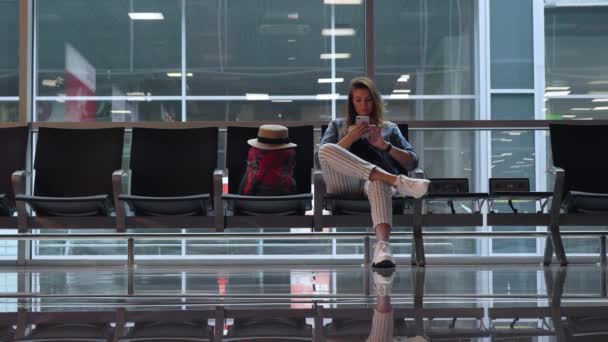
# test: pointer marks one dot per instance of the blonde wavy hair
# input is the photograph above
(376, 117)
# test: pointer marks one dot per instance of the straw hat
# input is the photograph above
(272, 137)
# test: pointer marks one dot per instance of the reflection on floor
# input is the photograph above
(298, 304)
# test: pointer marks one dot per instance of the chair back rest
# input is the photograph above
(173, 162)
(579, 150)
(237, 149)
(13, 146)
(77, 162)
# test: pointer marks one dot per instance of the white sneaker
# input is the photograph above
(412, 187)
(383, 258)
(383, 281)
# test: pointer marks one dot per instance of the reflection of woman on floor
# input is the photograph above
(383, 321)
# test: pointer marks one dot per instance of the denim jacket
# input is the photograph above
(390, 132)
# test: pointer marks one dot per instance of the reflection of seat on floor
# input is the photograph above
(169, 332)
(584, 324)
(270, 329)
(6, 332)
(73, 332)
(359, 329)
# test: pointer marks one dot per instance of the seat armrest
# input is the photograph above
(119, 205)
(18, 180)
(555, 170)
(319, 192)
(558, 192)
(218, 203)
(418, 173)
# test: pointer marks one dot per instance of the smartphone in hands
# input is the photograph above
(361, 119)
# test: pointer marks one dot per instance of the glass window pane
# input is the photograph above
(513, 156)
(9, 111)
(576, 109)
(266, 110)
(512, 107)
(9, 48)
(425, 47)
(274, 47)
(511, 44)
(99, 48)
(117, 110)
(449, 109)
(575, 48)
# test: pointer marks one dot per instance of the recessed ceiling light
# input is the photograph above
(146, 16)
(338, 31)
(178, 74)
(599, 100)
(327, 96)
(399, 96)
(282, 101)
(557, 88)
(402, 91)
(293, 16)
(600, 108)
(557, 93)
(257, 97)
(403, 78)
(335, 55)
(120, 111)
(331, 80)
(342, 2)
(568, 116)
(580, 109)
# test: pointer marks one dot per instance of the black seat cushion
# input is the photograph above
(584, 202)
(283, 327)
(269, 205)
(357, 205)
(99, 205)
(158, 206)
(164, 331)
(77, 332)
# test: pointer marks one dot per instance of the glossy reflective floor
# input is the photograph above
(304, 304)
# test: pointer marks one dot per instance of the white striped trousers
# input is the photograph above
(347, 174)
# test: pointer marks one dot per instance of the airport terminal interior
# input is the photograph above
(126, 136)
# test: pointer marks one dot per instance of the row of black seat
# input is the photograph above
(173, 182)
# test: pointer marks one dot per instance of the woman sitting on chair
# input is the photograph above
(364, 154)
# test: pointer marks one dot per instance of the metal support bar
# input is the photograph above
(366, 251)
(320, 191)
(418, 244)
(603, 285)
(603, 251)
(130, 281)
(554, 240)
(119, 206)
(130, 253)
(319, 331)
(218, 331)
(218, 203)
(367, 281)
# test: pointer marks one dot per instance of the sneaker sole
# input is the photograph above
(384, 264)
